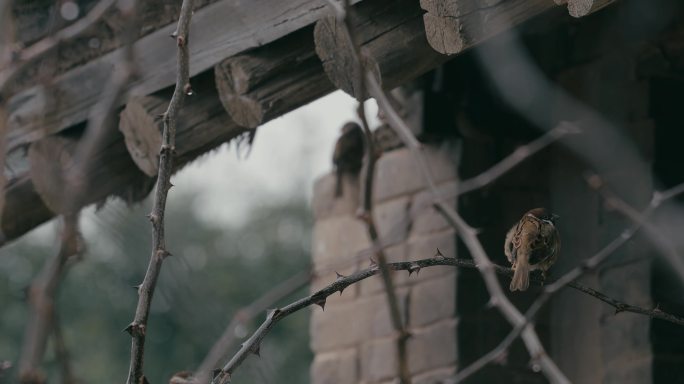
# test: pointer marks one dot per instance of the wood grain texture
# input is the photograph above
(580, 8)
(264, 83)
(392, 40)
(453, 26)
(219, 30)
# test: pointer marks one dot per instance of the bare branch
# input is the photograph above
(253, 343)
(469, 237)
(366, 209)
(137, 329)
(244, 316)
(659, 241)
(42, 294)
(519, 155)
(47, 44)
(569, 279)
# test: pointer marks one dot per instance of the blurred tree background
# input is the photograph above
(213, 272)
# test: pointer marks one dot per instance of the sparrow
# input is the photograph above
(348, 154)
(533, 243)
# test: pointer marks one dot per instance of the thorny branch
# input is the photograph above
(42, 294)
(660, 242)
(569, 279)
(448, 192)
(253, 343)
(44, 288)
(366, 209)
(137, 329)
(244, 316)
(469, 236)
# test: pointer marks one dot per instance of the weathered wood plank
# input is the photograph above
(219, 30)
(266, 82)
(392, 39)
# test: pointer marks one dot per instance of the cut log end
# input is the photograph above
(140, 124)
(581, 8)
(245, 111)
(444, 34)
(339, 63)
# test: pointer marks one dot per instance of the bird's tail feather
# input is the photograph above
(521, 276)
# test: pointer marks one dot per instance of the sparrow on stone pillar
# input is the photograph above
(348, 154)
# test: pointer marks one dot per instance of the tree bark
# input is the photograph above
(269, 81)
(392, 40)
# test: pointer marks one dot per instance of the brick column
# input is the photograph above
(353, 339)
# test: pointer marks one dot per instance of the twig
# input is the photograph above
(469, 236)
(253, 343)
(569, 279)
(42, 295)
(103, 116)
(244, 316)
(47, 44)
(366, 209)
(61, 351)
(137, 328)
(660, 242)
(519, 155)
(100, 122)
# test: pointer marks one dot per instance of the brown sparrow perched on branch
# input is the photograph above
(348, 155)
(532, 243)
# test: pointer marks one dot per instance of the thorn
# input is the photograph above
(187, 89)
(152, 217)
(272, 312)
(135, 329)
(320, 302)
(439, 255)
(339, 275)
(373, 264)
(136, 287)
(257, 351)
(414, 268)
(129, 329)
(173, 34)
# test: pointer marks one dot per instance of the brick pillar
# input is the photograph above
(353, 339)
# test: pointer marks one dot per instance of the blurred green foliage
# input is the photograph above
(213, 272)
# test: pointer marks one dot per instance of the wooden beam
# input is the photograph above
(264, 83)
(453, 26)
(202, 125)
(219, 30)
(392, 39)
(111, 172)
(580, 8)
(24, 209)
